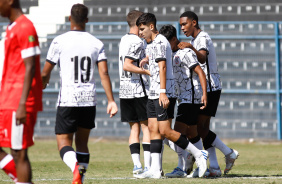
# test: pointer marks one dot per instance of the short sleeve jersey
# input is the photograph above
(159, 50)
(189, 91)
(77, 53)
(203, 42)
(21, 42)
(132, 85)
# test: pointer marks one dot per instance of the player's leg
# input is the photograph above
(23, 166)
(141, 111)
(86, 122)
(129, 114)
(7, 164)
(66, 124)
(146, 145)
(134, 146)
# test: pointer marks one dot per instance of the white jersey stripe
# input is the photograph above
(32, 51)
(2, 57)
(17, 134)
(5, 161)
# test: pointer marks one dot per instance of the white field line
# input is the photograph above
(125, 178)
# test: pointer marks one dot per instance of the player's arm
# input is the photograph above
(198, 70)
(106, 83)
(130, 67)
(201, 54)
(29, 63)
(163, 100)
(46, 73)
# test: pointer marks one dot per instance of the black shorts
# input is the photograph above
(213, 99)
(188, 113)
(133, 110)
(154, 110)
(69, 118)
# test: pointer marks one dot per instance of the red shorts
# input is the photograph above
(14, 136)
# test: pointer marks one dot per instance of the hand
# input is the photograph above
(21, 114)
(143, 62)
(147, 72)
(163, 100)
(112, 108)
(204, 101)
(183, 45)
(44, 85)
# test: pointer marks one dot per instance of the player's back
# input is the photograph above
(77, 53)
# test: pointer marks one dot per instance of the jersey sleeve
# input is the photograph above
(28, 41)
(135, 51)
(203, 44)
(102, 55)
(53, 55)
(160, 51)
(190, 58)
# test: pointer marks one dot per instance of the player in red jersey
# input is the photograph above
(20, 92)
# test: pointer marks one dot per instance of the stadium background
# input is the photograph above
(246, 36)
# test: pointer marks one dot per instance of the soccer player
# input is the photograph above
(192, 94)
(202, 45)
(133, 92)
(77, 52)
(162, 97)
(20, 92)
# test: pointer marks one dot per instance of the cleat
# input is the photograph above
(201, 163)
(230, 159)
(78, 174)
(195, 173)
(137, 170)
(214, 172)
(189, 163)
(176, 173)
(149, 174)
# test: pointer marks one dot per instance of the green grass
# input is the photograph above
(110, 162)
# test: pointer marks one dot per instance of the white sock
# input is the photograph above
(199, 144)
(180, 157)
(147, 157)
(155, 166)
(23, 183)
(221, 146)
(195, 151)
(136, 159)
(213, 158)
(70, 159)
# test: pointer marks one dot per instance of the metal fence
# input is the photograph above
(248, 55)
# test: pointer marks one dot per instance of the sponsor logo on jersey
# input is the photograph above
(31, 38)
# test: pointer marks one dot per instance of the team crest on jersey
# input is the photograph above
(31, 38)
(177, 59)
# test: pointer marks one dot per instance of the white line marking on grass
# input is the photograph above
(127, 178)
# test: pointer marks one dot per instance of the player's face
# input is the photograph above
(145, 32)
(187, 26)
(4, 8)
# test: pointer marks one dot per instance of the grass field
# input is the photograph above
(110, 162)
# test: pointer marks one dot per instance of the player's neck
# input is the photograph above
(15, 13)
(196, 32)
(154, 34)
(75, 27)
(134, 30)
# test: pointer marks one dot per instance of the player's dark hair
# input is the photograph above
(132, 16)
(146, 19)
(192, 16)
(16, 4)
(79, 13)
(168, 31)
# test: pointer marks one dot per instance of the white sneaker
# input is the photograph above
(189, 163)
(214, 172)
(149, 174)
(176, 173)
(195, 173)
(230, 159)
(201, 162)
(137, 170)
